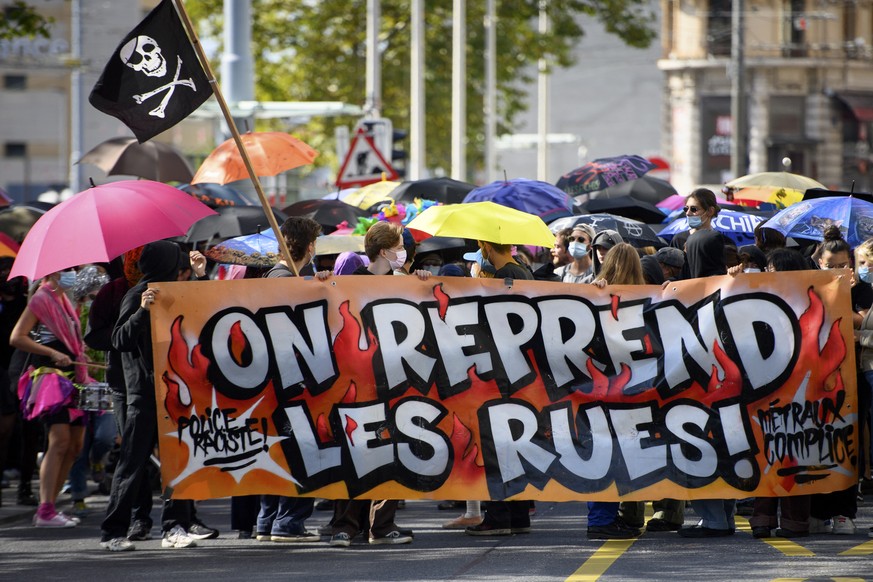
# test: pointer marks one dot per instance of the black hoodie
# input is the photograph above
(132, 336)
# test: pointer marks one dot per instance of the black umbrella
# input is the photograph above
(17, 219)
(822, 193)
(327, 213)
(231, 221)
(151, 160)
(634, 232)
(646, 188)
(445, 190)
(627, 207)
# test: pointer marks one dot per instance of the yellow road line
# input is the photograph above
(864, 549)
(787, 579)
(600, 560)
(787, 547)
(846, 579)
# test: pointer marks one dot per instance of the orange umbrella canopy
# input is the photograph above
(271, 153)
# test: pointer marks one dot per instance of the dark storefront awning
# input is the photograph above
(860, 103)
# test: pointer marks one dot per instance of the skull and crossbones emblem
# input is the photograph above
(143, 55)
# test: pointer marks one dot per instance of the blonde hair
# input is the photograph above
(622, 266)
(865, 248)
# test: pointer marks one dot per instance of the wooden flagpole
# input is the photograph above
(216, 90)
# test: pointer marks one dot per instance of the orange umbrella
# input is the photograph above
(271, 153)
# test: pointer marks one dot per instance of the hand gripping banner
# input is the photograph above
(395, 388)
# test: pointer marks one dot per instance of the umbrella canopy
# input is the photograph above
(824, 193)
(755, 195)
(485, 221)
(646, 188)
(327, 213)
(627, 207)
(218, 195)
(102, 222)
(8, 247)
(230, 221)
(445, 190)
(809, 218)
(634, 232)
(17, 220)
(442, 243)
(372, 194)
(677, 201)
(531, 196)
(737, 226)
(150, 160)
(271, 153)
(775, 180)
(603, 173)
(261, 249)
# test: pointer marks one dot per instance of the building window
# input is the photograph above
(718, 34)
(15, 150)
(794, 28)
(786, 116)
(15, 82)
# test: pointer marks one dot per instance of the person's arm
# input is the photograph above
(20, 339)
(132, 320)
(101, 320)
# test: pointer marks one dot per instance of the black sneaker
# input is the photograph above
(139, 531)
(198, 531)
(487, 529)
(613, 531)
(698, 531)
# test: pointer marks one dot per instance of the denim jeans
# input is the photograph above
(284, 515)
(100, 433)
(715, 513)
(602, 513)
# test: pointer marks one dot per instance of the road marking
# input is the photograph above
(864, 549)
(787, 547)
(835, 579)
(601, 560)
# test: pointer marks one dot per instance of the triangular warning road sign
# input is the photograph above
(364, 164)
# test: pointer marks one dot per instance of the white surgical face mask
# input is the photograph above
(578, 250)
(751, 270)
(433, 269)
(67, 280)
(399, 259)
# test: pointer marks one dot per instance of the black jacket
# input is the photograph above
(132, 336)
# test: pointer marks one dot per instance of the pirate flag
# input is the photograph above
(154, 79)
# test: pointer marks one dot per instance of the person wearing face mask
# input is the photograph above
(703, 245)
(581, 268)
(479, 266)
(59, 344)
(383, 245)
(752, 260)
(409, 245)
(864, 338)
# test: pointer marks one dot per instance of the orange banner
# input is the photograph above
(394, 388)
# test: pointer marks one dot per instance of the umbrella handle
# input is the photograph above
(90, 365)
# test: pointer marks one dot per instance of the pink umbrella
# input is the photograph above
(103, 222)
(677, 201)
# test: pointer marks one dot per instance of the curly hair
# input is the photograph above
(299, 232)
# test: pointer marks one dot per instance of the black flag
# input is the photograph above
(153, 80)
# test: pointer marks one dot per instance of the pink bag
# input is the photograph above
(44, 391)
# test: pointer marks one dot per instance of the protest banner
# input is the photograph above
(452, 388)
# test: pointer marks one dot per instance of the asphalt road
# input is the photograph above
(556, 549)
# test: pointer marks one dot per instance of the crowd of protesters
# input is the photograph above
(106, 308)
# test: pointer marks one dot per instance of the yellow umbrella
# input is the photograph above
(776, 180)
(340, 243)
(371, 194)
(485, 221)
(782, 197)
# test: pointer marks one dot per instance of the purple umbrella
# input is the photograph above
(531, 196)
(603, 173)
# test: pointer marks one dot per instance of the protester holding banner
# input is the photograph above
(384, 247)
(621, 266)
(788, 515)
(503, 517)
(600, 245)
(59, 345)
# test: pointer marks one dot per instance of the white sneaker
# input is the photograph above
(177, 538)
(118, 545)
(820, 526)
(57, 520)
(843, 526)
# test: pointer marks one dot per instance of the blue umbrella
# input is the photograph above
(809, 218)
(738, 226)
(531, 196)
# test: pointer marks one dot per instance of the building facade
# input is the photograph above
(809, 89)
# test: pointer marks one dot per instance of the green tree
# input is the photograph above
(315, 51)
(19, 19)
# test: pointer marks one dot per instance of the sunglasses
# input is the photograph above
(576, 239)
(691, 209)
